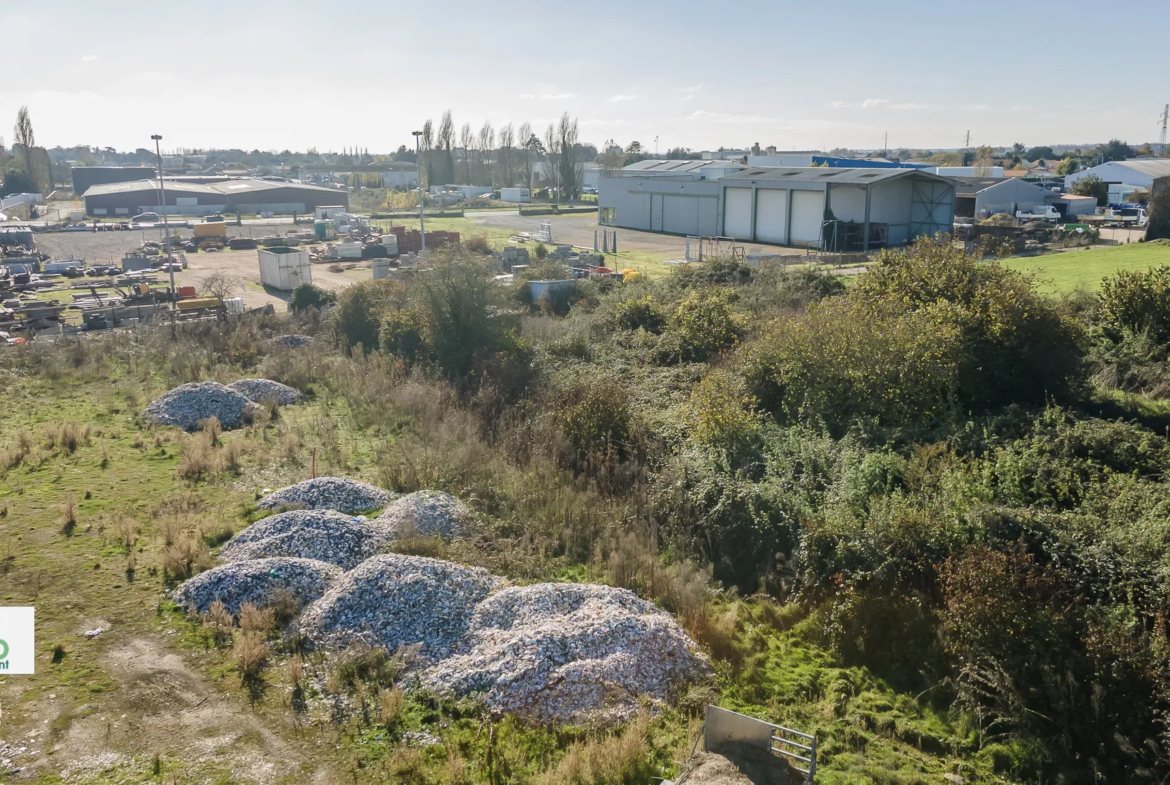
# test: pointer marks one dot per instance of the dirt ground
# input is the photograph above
(578, 229)
(738, 765)
(109, 247)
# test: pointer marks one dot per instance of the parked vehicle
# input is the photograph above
(1046, 213)
(1127, 216)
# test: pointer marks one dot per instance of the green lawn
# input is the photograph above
(1066, 272)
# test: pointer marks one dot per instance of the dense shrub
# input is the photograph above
(357, 317)
(1138, 302)
(639, 313)
(1015, 346)
(596, 421)
(402, 335)
(1063, 461)
(306, 295)
(790, 288)
(841, 361)
(722, 270)
(704, 323)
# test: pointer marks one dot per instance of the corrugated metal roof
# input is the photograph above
(678, 166)
(1155, 167)
(820, 174)
(966, 186)
(243, 185)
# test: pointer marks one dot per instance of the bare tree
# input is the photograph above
(571, 168)
(487, 141)
(444, 142)
(611, 159)
(221, 284)
(504, 164)
(23, 136)
(526, 139)
(552, 149)
(466, 141)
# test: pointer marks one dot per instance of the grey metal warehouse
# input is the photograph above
(844, 209)
(243, 195)
(983, 197)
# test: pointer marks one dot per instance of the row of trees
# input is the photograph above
(509, 156)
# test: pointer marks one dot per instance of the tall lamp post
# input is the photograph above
(422, 229)
(162, 195)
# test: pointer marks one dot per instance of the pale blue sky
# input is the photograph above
(292, 74)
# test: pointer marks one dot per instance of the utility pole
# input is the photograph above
(422, 229)
(162, 197)
(1164, 118)
(655, 145)
(967, 142)
(886, 145)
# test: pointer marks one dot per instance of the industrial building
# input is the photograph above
(1124, 177)
(84, 177)
(229, 196)
(844, 209)
(983, 197)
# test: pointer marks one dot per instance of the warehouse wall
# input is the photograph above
(1011, 195)
(687, 206)
(889, 203)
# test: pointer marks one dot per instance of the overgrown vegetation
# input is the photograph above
(924, 516)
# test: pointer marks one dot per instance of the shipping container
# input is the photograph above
(284, 268)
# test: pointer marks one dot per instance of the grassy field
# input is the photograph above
(1072, 270)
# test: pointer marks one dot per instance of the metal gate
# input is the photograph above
(932, 208)
(723, 727)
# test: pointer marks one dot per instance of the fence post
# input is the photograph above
(812, 766)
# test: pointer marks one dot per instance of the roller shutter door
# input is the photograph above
(737, 213)
(772, 216)
(682, 214)
(808, 210)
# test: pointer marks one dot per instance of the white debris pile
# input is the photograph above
(393, 600)
(259, 581)
(264, 390)
(569, 652)
(324, 535)
(189, 404)
(329, 493)
(429, 513)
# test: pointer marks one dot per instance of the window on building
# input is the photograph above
(608, 216)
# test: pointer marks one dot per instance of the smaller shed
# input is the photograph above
(521, 195)
(283, 268)
(983, 197)
(1078, 205)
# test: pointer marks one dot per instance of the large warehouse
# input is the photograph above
(85, 177)
(842, 209)
(228, 196)
(983, 197)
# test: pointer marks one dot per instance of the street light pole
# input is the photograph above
(422, 229)
(162, 194)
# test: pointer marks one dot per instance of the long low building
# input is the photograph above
(204, 198)
(842, 209)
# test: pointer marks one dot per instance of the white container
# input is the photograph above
(284, 268)
(390, 243)
(345, 251)
(234, 305)
(515, 195)
(381, 269)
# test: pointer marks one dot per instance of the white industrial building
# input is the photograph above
(1135, 174)
(983, 197)
(837, 208)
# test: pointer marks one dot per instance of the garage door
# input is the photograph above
(808, 209)
(772, 216)
(737, 213)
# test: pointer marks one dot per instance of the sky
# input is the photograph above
(809, 75)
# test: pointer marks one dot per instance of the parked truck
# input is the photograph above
(1038, 213)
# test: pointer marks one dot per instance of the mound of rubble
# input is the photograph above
(294, 341)
(569, 651)
(329, 493)
(323, 535)
(263, 390)
(393, 600)
(429, 513)
(188, 404)
(260, 582)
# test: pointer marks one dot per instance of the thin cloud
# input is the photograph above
(874, 103)
(555, 96)
(620, 98)
(90, 58)
(526, 95)
(840, 104)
